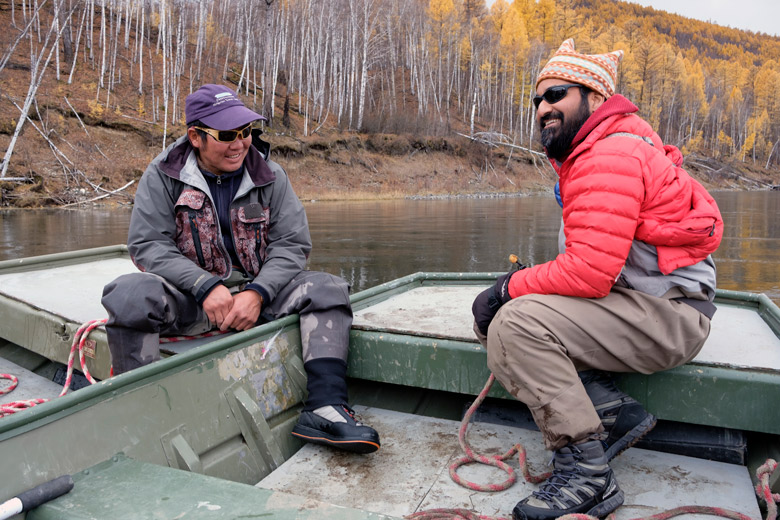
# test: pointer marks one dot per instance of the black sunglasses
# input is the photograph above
(227, 136)
(553, 94)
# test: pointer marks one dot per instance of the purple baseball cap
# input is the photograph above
(218, 107)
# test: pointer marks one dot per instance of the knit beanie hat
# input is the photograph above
(595, 71)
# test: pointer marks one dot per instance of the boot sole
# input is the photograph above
(631, 437)
(606, 507)
(317, 437)
(600, 510)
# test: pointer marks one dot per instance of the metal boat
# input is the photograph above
(205, 432)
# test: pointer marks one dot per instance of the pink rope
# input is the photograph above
(14, 381)
(79, 339)
(492, 460)
(762, 489)
(15, 406)
(174, 339)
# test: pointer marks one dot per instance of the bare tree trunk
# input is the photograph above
(90, 7)
(140, 38)
(78, 42)
(769, 159)
(369, 22)
(19, 38)
(128, 18)
(164, 37)
(201, 41)
(103, 45)
(269, 87)
(36, 76)
(248, 39)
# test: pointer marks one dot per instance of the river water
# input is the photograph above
(368, 243)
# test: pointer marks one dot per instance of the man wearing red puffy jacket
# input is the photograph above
(630, 291)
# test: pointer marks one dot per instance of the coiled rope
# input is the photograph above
(763, 489)
(79, 341)
(15, 406)
(492, 460)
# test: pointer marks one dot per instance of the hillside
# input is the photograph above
(104, 154)
(84, 141)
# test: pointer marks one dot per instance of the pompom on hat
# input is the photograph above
(596, 71)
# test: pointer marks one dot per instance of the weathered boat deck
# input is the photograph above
(739, 337)
(410, 473)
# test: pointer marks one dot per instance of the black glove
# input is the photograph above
(487, 303)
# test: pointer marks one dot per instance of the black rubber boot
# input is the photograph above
(625, 421)
(582, 483)
(336, 426)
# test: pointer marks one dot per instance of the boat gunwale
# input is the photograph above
(31, 263)
(75, 401)
(50, 411)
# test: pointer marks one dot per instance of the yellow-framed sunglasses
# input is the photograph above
(227, 136)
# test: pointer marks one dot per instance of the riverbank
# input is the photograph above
(86, 160)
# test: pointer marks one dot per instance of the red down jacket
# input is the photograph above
(617, 189)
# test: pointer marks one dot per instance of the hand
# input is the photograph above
(217, 304)
(487, 303)
(245, 311)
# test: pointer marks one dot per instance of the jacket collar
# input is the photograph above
(615, 105)
(254, 164)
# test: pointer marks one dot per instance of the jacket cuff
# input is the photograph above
(204, 290)
(259, 290)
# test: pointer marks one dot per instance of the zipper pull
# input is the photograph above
(219, 180)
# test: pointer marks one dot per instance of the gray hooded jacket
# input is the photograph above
(174, 231)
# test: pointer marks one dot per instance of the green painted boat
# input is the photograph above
(205, 432)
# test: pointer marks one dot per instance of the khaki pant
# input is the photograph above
(536, 344)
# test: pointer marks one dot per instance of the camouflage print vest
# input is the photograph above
(198, 236)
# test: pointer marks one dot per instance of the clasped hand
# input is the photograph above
(238, 311)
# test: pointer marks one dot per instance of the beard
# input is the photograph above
(557, 141)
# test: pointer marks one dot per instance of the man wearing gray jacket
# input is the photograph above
(221, 241)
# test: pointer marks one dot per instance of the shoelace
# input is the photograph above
(552, 488)
(560, 478)
(352, 415)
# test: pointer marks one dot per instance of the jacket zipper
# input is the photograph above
(257, 245)
(196, 238)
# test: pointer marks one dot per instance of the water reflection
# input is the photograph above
(373, 242)
(40, 232)
(747, 259)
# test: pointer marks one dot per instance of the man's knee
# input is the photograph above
(523, 315)
(322, 291)
(132, 298)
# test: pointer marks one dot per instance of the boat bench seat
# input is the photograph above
(427, 333)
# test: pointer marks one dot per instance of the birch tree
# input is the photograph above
(269, 77)
(39, 61)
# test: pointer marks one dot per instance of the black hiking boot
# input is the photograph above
(582, 482)
(336, 426)
(625, 420)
